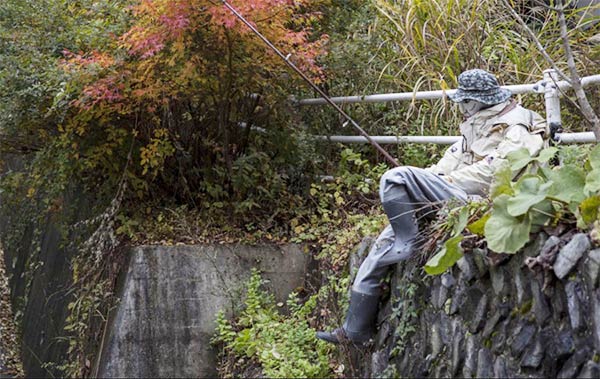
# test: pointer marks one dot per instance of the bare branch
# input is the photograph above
(574, 80)
(535, 40)
(586, 108)
(560, 8)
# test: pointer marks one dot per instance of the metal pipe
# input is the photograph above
(581, 137)
(440, 140)
(433, 95)
(324, 96)
(563, 138)
(552, 102)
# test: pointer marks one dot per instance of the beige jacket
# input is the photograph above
(488, 136)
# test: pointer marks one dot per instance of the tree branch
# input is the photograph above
(586, 108)
(535, 40)
(574, 80)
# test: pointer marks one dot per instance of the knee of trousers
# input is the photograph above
(393, 189)
(395, 177)
(398, 173)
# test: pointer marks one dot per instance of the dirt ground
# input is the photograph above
(10, 364)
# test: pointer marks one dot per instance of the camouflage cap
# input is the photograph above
(481, 86)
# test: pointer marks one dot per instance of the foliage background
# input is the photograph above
(178, 123)
(200, 107)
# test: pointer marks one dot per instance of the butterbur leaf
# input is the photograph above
(477, 227)
(592, 182)
(594, 158)
(573, 206)
(502, 183)
(589, 209)
(546, 172)
(546, 154)
(569, 181)
(541, 213)
(519, 158)
(505, 233)
(463, 219)
(529, 192)
(445, 258)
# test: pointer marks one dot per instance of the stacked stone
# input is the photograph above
(532, 314)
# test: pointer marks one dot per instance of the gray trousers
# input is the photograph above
(406, 193)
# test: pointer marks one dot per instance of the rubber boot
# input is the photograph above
(359, 326)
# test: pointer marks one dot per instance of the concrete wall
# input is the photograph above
(169, 300)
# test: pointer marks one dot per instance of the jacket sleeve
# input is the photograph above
(476, 178)
(449, 161)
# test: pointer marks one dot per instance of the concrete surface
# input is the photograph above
(169, 300)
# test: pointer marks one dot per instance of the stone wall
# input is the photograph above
(170, 299)
(533, 314)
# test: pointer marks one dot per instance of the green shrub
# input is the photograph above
(283, 346)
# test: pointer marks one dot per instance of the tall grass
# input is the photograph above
(418, 45)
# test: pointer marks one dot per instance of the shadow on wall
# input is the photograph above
(37, 263)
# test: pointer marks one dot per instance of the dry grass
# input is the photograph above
(425, 44)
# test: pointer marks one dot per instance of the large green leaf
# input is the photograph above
(546, 154)
(592, 182)
(594, 158)
(445, 258)
(502, 183)
(589, 209)
(503, 232)
(541, 215)
(569, 181)
(477, 227)
(529, 191)
(463, 219)
(519, 158)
